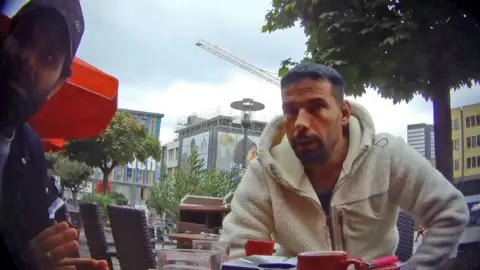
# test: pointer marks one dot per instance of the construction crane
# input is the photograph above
(238, 62)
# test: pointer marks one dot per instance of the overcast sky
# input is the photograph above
(149, 45)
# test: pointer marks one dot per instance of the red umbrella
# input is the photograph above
(53, 145)
(83, 107)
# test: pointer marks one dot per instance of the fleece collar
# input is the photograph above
(277, 156)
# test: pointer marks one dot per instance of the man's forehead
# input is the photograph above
(308, 88)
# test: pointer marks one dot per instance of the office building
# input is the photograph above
(170, 157)
(133, 179)
(421, 138)
(466, 142)
(219, 140)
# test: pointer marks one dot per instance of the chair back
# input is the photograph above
(406, 231)
(94, 232)
(132, 238)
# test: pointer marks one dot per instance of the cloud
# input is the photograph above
(149, 46)
(153, 43)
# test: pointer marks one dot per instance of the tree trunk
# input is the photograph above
(442, 120)
(74, 199)
(106, 175)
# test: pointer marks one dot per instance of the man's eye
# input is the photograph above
(290, 111)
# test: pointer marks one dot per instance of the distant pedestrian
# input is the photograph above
(421, 231)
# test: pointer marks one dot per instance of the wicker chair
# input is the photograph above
(406, 231)
(97, 243)
(135, 246)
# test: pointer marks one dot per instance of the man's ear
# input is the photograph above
(346, 111)
(57, 87)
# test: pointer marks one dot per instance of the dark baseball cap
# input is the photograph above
(71, 11)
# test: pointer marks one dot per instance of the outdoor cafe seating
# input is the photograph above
(135, 249)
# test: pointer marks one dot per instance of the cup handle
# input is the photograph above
(358, 263)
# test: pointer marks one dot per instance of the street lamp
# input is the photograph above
(247, 106)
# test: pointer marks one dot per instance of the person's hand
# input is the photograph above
(51, 247)
(81, 264)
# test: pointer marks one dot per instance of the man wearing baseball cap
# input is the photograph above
(35, 59)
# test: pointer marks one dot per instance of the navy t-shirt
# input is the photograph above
(325, 196)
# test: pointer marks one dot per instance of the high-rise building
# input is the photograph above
(466, 142)
(421, 138)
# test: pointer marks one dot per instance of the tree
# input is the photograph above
(165, 196)
(125, 140)
(73, 175)
(400, 48)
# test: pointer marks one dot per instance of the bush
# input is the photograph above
(165, 196)
(119, 198)
(102, 200)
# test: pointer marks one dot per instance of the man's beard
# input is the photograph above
(15, 109)
(318, 155)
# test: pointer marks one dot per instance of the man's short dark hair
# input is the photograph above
(315, 71)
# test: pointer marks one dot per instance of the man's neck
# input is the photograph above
(325, 176)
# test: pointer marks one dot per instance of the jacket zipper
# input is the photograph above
(336, 234)
(342, 236)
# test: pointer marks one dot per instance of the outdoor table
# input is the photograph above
(185, 240)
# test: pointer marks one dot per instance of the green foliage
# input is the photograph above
(73, 175)
(165, 196)
(101, 199)
(124, 140)
(105, 199)
(399, 48)
(119, 198)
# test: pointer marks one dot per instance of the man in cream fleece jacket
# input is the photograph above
(324, 179)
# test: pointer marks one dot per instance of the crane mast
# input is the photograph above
(237, 61)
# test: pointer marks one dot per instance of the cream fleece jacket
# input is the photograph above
(381, 173)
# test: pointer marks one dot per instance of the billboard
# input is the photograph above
(199, 141)
(230, 150)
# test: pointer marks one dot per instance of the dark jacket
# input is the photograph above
(24, 206)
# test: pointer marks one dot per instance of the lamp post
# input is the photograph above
(247, 106)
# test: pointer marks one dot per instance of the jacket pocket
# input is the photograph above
(366, 224)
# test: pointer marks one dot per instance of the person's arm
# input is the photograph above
(251, 212)
(425, 194)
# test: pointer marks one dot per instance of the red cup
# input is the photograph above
(259, 247)
(328, 260)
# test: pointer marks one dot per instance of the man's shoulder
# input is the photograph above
(389, 143)
(28, 138)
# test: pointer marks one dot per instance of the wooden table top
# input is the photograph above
(192, 236)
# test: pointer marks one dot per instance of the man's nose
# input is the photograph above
(303, 120)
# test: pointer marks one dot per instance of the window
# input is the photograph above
(474, 162)
(456, 145)
(478, 161)
(467, 121)
(469, 142)
(478, 119)
(455, 124)
(472, 120)
(469, 163)
(474, 141)
(457, 164)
